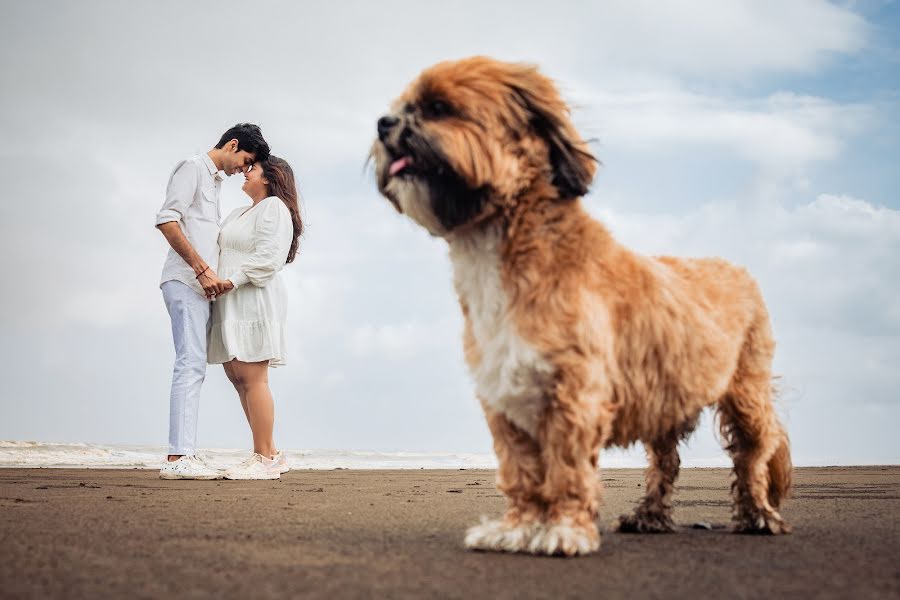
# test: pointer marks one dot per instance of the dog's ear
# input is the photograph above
(572, 162)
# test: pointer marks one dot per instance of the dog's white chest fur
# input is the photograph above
(511, 376)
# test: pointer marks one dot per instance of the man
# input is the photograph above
(189, 220)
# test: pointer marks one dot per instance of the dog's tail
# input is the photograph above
(780, 470)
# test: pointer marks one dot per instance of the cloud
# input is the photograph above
(707, 39)
(397, 343)
(853, 219)
(828, 270)
(781, 132)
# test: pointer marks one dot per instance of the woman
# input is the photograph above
(247, 335)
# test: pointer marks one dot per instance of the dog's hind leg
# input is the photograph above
(519, 477)
(755, 439)
(654, 513)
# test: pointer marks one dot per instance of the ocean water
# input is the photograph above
(83, 455)
(98, 456)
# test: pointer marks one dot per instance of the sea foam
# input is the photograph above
(80, 455)
(83, 455)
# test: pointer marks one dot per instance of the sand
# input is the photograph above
(396, 534)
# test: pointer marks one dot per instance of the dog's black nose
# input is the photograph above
(385, 124)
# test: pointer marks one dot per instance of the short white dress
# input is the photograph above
(248, 322)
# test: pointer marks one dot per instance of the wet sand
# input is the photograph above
(357, 534)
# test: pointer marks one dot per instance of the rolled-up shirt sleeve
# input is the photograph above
(179, 194)
(272, 242)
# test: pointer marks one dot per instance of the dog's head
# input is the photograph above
(469, 138)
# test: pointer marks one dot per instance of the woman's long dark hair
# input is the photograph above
(281, 183)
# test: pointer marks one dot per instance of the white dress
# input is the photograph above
(248, 321)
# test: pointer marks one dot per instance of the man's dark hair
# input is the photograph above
(249, 138)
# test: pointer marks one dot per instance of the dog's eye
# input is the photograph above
(437, 108)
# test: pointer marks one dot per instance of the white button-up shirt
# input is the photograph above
(192, 199)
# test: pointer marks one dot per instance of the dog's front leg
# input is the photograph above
(572, 431)
(519, 477)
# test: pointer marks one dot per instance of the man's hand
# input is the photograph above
(225, 286)
(212, 285)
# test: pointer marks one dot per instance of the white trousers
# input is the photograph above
(189, 312)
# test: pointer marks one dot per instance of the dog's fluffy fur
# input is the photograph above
(575, 343)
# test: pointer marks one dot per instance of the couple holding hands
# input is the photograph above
(221, 286)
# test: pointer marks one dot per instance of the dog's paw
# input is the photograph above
(565, 538)
(499, 536)
(645, 523)
(761, 523)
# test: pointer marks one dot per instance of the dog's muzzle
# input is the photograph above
(385, 125)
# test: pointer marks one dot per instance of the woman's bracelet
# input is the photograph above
(202, 272)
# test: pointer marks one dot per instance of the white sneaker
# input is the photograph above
(187, 467)
(255, 467)
(281, 462)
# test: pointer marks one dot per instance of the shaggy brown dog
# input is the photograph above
(575, 343)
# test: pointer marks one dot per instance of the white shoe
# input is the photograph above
(187, 467)
(255, 467)
(281, 462)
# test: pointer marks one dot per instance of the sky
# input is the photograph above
(760, 131)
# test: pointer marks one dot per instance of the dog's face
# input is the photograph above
(470, 137)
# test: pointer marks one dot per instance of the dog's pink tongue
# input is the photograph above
(399, 164)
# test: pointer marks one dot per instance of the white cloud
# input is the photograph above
(731, 40)
(781, 132)
(830, 274)
(852, 218)
(402, 342)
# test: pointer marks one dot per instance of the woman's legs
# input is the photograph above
(257, 402)
(238, 386)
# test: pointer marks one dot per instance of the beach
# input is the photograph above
(79, 533)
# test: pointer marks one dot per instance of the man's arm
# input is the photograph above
(179, 196)
(208, 280)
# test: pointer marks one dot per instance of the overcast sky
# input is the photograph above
(764, 132)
